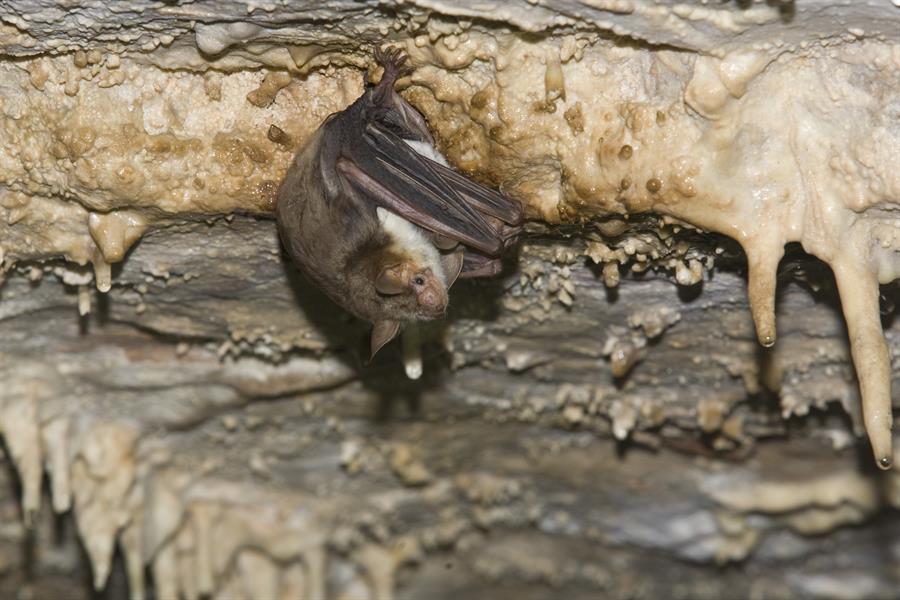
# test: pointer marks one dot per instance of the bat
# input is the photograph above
(375, 217)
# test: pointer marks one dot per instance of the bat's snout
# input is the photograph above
(431, 294)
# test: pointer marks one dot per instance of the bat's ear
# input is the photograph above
(392, 281)
(382, 333)
(452, 264)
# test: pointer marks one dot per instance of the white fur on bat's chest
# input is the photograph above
(412, 241)
(427, 150)
(408, 237)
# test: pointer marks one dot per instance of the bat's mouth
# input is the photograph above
(429, 314)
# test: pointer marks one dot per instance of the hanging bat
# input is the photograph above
(376, 218)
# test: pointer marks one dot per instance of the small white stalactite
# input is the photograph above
(293, 581)
(55, 436)
(186, 564)
(23, 441)
(102, 274)
(412, 350)
(165, 572)
(203, 527)
(258, 574)
(762, 262)
(316, 566)
(84, 300)
(379, 565)
(132, 549)
(858, 289)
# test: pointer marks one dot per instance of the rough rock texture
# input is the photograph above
(601, 419)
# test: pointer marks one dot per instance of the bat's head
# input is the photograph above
(409, 291)
(409, 275)
(415, 285)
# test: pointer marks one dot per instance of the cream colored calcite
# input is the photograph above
(809, 505)
(315, 450)
(766, 146)
(86, 170)
(200, 534)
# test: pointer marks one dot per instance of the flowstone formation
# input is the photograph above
(611, 414)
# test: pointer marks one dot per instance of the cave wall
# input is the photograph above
(611, 414)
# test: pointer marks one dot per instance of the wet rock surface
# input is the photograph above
(235, 397)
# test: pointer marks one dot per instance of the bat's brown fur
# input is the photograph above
(358, 161)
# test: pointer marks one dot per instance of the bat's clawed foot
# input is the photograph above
(393, 60)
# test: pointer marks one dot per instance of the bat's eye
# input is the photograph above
(419, 280)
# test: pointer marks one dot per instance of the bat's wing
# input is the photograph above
(486, 200)
(379, 165)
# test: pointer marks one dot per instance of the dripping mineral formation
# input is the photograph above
(375, 217)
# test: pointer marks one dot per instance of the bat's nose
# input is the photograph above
(432, 299)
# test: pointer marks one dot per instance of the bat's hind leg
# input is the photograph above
(393, 60)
